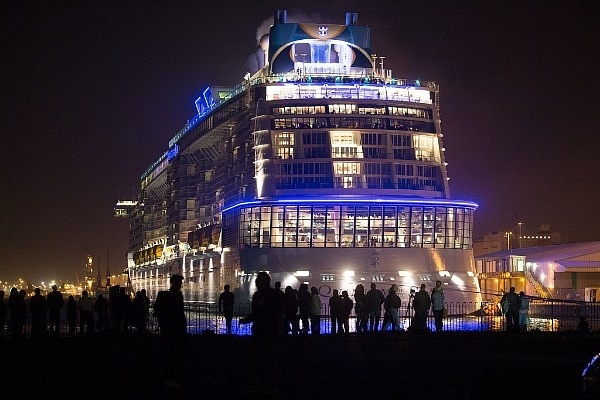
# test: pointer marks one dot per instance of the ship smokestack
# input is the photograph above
(280, 17)
(351, 18)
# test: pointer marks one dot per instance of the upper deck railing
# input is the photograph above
(322, 85)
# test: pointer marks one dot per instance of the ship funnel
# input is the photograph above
(280, 17)
(351, 18)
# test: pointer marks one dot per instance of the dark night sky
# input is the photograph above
(92, 92)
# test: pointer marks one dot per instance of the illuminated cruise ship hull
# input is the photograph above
(319, 168)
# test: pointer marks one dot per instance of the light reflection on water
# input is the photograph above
(208, 321)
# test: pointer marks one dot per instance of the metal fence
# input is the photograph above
(544, 315)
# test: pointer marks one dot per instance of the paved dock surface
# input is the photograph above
(469, 365)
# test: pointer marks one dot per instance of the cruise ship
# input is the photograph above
(319, 167)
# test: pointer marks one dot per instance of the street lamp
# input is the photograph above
(520, 232)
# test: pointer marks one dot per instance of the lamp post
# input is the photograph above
(520, 232)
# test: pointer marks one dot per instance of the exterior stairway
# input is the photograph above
(542, 290)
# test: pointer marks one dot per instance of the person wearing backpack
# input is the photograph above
(512, 314)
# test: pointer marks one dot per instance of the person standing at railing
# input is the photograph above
(512, 314)
(55, 302)
(267, 309)
(392, 305)
(226, 301)
(523, 312)
(168, 309)
(263, 354)
(421, 305)
(315, 311)
(375, 299)
(347, 305)
(71, 307)
(101, 308)
(290, 310)
(360, 308)
(38, 306)
(18, 310)
(335, 310)
(86, 313)
(138, 312)
(304, 307)
(437, 305)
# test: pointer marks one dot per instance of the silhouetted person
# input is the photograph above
(267, 325)
(169, 311)
(360, 308)
(38, 307)
(3, 313)
(101, 309)
(304, 306)
(138, 312)
(512, 314)
(267, 309)
(113, 307)
(290, 310)
(124, 306)
(437, 305)
(86, 314)
(374, 301)
(18, 309)
(583, 326)
(392, 305)
(226, 301)
(55, 302)
(71, 307)
(421, 305)
(523, 312)
(278, 289)
(315, 311)
(336, 305)
(146, 300)
(347, 305)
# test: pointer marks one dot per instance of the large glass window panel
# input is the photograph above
(404, 226)
(416, 227)
(362, 226)
(460, 223)
(255, 226)
(304, 226)
(468, 239)
(389, 227)
(450, 226)
(428, 226)
(265, 227)
(318, 226)
(277, 227)
(246, 226)
(291, 226)
(332, 234)
(347, 226)
(440, 227)
(376, 226)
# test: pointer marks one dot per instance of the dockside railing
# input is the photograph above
(547, 315)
